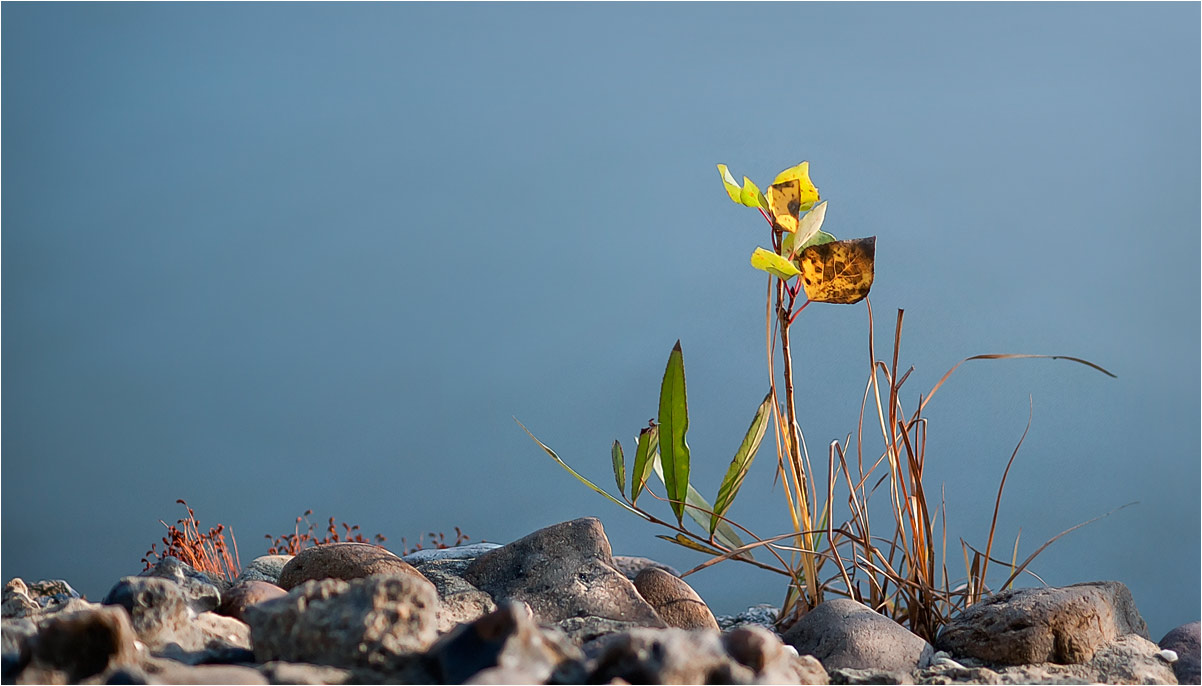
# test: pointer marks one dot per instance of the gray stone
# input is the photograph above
(667, 656)
(202, 592)
(845, 634)
(630, 566)
(157, 607)
(510, 644)
(300, 673)
(162, 671)
(461, 602)
(1030, 626)
(869, 676)
(344, 561)
(674, 600)
(375, 622)
(770, 659)
(677, 656)
(459, 552)
(563, 572)
(27, 600)
(1184, 641)
(264, 568)
(164, 621)
(758, 615)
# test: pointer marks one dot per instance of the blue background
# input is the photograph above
(272, 257)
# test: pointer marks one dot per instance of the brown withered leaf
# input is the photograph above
(838, 272)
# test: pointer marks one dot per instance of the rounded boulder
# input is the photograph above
(344, 561)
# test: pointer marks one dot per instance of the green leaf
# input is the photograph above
(751, 195)
(647, 445)
(732, 187)
(699, 510)
(748, 194)
(742, 461)
(817, 239)
(673, 424)
(768, 261)
(619, 467)
(571, 471)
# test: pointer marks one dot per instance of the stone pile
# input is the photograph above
(554, 607)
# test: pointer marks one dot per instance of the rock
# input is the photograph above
(211, 638)
(676, 656)
(246, 593)
(16, 600)
(630, 566)
(759, 615)
(202, 592)
(162, 671)
(668, 656)
(459, 552)
(845, 634)
(82, 644)
(509, 642)
(264, 568)
(1029, 626)
(341, 561)
(869, 676)
(563, 573)
(164, 621)
(1129, 659)
(771, 660)
(48, 595)
(1184, 641)
(157, 607)
(373, 622)
(460, 602)
(18, 633)
(300, 673)
(674, 600)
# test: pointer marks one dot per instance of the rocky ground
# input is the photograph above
(553, 607)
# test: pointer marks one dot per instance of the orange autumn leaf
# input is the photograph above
(838, 272)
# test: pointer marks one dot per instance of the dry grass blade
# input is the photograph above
(997, 505)
(1050, 541)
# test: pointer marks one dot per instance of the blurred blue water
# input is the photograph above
(271, 257)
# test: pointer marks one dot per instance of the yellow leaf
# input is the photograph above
(839, 272)
(784, 204)
(808, 193)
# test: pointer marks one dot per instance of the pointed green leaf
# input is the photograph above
(742, 461)
(751, 195)
(647, 445)
(699, 510)
(732, 187)
(619, 467)
(673, 424)
(571, 471)
(809, 232)
(768, 261)
(747, 194)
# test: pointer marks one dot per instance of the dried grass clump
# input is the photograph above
(203, 551)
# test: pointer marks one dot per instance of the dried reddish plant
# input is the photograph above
(293, 543)
(438, 541)
(204, 551)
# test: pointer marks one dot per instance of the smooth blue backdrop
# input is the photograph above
(271, 257)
